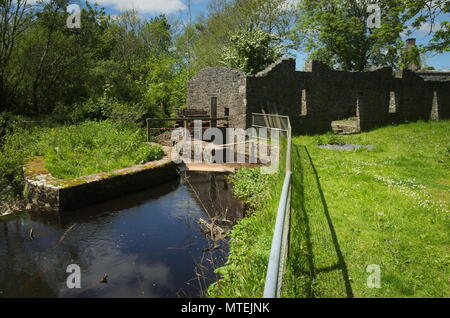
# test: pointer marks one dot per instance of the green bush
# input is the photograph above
(17, 146)
(8, 122)
(250, 185)
(89, 110)
(104, 108)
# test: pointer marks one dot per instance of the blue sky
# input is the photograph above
(179, 9)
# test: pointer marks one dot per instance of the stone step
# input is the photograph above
(345, 129)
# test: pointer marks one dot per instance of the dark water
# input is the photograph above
(149, 244)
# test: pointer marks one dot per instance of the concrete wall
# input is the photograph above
(316, 97)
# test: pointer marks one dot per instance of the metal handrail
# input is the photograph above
(275, 267)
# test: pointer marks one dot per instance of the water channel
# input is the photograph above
(148, 244)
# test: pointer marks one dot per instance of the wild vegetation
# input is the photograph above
(79, 98)
(387, 206)
(244, 273)
(129, 66)
(72, 151)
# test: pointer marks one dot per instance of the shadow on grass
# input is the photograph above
(316, 266)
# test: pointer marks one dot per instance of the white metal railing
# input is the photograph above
(279, 248)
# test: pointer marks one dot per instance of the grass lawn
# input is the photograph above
(388, 206)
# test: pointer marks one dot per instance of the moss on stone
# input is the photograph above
(105, 185)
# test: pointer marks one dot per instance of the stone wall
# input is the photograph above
(47, 193)
(439, 94)
(227, 85)
(436, 76)
(319, 95)
(263, 96)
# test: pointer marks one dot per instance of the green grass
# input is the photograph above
(93, 147)
(389, 206)
(251, 239)
(72, 151)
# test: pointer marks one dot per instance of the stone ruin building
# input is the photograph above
(320, 99)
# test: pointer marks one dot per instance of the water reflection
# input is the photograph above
(149, 244)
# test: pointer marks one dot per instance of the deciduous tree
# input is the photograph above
(252, 51)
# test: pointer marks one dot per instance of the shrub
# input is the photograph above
(251, 185)
(104, 108)
(16, 148)
(8, 122)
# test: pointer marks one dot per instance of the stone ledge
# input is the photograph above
(286, 62)
(44, 192)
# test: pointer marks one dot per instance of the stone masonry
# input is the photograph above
(228, 85)
(319, 95)
(47, 193)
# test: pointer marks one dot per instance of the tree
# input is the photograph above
(226, 17)
(15, 16)
(184, 48)
(441, 38)
(336, 32)
(143, 71)
(56, 59)
(164, 87)
(253, 51)
(157, 35)
(111, 65)
(426, 12)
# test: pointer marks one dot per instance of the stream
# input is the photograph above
(148, 244)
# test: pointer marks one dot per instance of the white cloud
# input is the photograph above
(145, 6)
(425, 28)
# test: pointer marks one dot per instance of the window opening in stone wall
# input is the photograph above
(393, 102)
(303, 105)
